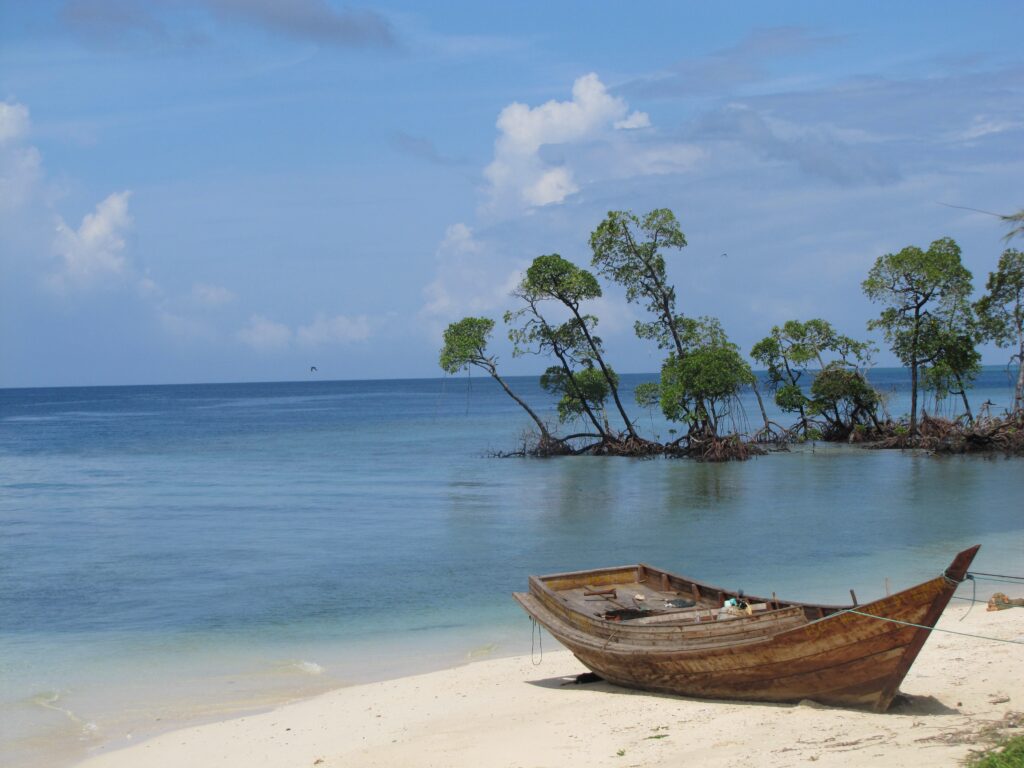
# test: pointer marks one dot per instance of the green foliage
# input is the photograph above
(924, 295)
(790, 398)
(627, 250)
(956, 362)
(1016, 222)
(839, 392)
(1010, 754)
(1001, 309)
(552, 277)
(584, 387)
(695, 388)
(465, 344)
(1001, 313)
(647, 394)
(843, 397)
(911, 285)
(535, 336)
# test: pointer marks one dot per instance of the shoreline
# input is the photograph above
(507, 712)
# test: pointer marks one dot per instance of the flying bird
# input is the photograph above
(312, 369)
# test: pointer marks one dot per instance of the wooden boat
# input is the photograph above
(641, 627)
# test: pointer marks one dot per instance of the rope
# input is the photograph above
(997, 575)
(974, 595)
(930, 629)
(1007, 580)
(536, 633)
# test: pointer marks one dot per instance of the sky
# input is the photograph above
(238, 190)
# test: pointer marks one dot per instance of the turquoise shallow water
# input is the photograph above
(169, 554)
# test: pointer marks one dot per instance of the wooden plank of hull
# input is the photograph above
(854, 683)
(845, 659)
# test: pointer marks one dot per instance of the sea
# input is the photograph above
(171, 555)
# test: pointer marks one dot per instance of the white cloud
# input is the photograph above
(655, 160)
(95, 251)
(339, 329)
(986, 125)
(634, 121)
(517, 174)
(552, 187)
(182, 327)
(470, 278)
(265, 335)
(595, 132)
(14, 121)
(20, 164)
(211, 295)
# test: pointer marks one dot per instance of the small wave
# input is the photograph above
(305, 667)
(51, 700)
(481, 651)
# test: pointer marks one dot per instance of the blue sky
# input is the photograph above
(235, 190)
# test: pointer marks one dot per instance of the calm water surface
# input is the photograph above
(170, 554)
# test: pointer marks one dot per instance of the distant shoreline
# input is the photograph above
(316, 379)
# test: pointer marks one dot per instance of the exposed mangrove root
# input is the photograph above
(939, 435)
(734, 447)
(728, 448)
(985, 435)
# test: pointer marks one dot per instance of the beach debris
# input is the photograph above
(979, 731)
(584, 678)
(1000, 602)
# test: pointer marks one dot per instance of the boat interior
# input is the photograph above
(641, 594)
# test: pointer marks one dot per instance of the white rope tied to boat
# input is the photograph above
(536, 631)
(922, 626)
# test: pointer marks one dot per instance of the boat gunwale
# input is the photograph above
(782, 604)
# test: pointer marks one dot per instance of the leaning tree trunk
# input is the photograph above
(760, 404)
(963, 396)
(607, 374)
(545, 435)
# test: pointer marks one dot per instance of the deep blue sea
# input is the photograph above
(170, 554)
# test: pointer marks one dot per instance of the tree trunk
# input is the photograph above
(1018, 394)
(913, 397)
(540, 424)
(760, 404)
(583, 401)
(568, 372)
(606, 372)
(963, 396)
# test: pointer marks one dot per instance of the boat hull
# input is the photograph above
(855, 657)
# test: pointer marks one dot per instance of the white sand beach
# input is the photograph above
(960, 694)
